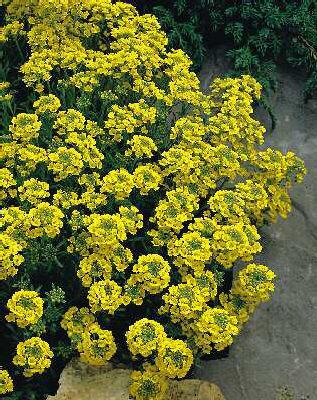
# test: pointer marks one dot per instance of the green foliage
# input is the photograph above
(258, 33)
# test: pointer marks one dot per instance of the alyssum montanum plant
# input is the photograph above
(127, 195)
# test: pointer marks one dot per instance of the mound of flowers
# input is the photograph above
(127, 197)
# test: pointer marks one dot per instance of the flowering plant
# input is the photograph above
(127, 197)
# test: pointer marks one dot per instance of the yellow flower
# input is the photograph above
(97, 345)
(5, 96)
(26, 308)
(254, 283)
(106, 229)
(152, 271)
(148, 385)
(144, 336)
(12, 29)
(206, 282)
(141, 146)
(119, 183)
(69, 121)
(174, 358)
(184, 301)
(7, 183)
(76, 320)
(237, 307)
(25, 127)
(45, 219)
(65, 199)
(125, 120)
(173, 212)
(65, 162)
(132, 218)
(10, 257)
(133, 293)
(105, 295)
(139, 126)
(49, 103)
(239, 240)
(191, 250)
(6, 382)
(227, 204)
(34, 355)
(34, 191)
(216, 327)
(90, 181)
(29, 157)
(93, 268)
(147, 177)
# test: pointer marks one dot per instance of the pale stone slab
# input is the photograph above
(83, 382)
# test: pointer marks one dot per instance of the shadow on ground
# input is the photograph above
(278, 347)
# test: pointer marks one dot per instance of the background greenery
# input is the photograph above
(259, 34)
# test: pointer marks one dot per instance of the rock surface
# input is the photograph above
(278, 346)
(82, 382)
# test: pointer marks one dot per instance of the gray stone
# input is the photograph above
(83, 382)
(278, 346)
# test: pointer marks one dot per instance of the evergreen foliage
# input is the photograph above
(259, 33)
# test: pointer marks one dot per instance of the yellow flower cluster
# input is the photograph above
(10, 257)
(127, 119)
(105, 295)
(141, 146)
(142, 184)
(26, 308)
(215, 326)
(34, 355)
(191, 250)
(34, 191)
(106, 229)
(119, 183)
(18, 227)
(97, 345)
(184, 302)
(65, 162)
(172, 212)
(65, 199)
(147, 177)
(174, 358)
(233, 242)
(25, 157)
(207, 283)
(93, 268)
(6, 382)
(152, 272)
(10, 30)
(5, 95)
(76, 320)
(144, 337)
(47, 104)
(25, 127)
(45, 219)
(132, 219)
(148, 385)
(7, 184)
(254, 284)
(69, 121)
